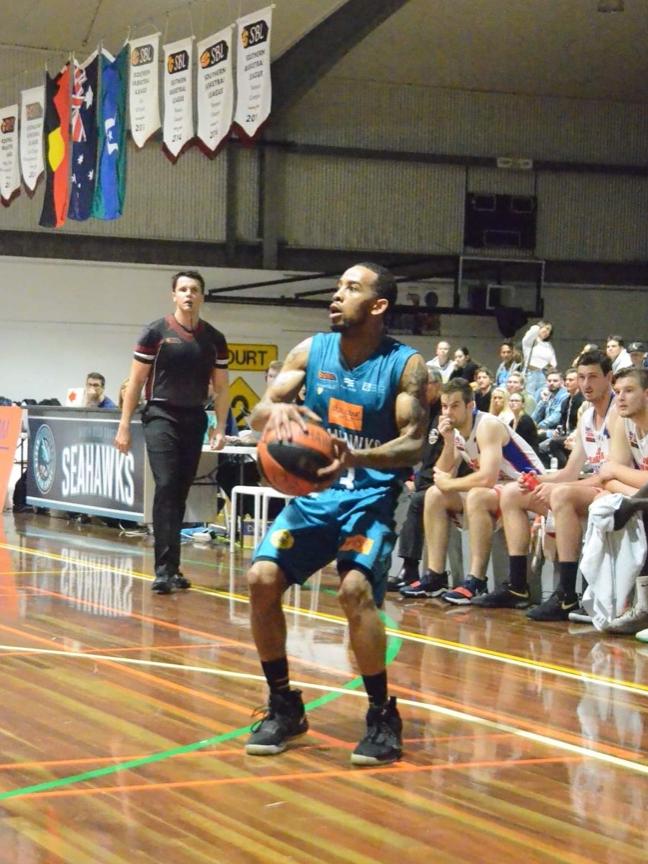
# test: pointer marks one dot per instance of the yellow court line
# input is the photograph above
(447, 644)
(462, 716)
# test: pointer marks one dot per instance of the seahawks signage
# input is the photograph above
(74, 465)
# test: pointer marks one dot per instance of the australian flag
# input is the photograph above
(110, 188)
(84, 138)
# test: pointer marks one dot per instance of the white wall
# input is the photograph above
(63, 319)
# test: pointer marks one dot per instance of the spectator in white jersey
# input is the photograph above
(495, 453)
(567, 496)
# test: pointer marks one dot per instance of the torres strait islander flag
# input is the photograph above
(57, 148)
(84, 137)
(110, 188)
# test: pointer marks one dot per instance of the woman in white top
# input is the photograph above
(499, 406)
(538, 354)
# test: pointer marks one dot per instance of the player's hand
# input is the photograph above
(442, 480)
(217, 441)
(607, 472)
(343, 459)
(445, 429)
(542, 493)
(123, 439)
(283, 413)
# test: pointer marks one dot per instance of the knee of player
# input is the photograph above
(266, 583)
(562, 498)
(434, 499)
(511, 496)
(355, 593)
(479, 499)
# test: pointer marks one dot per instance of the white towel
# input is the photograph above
(611, 560)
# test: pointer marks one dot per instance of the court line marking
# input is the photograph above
(347, 689)
(446, 644)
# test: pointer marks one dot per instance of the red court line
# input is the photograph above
(317, 776)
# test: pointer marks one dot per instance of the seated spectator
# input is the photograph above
(637, 352)
(441, 360)
(615, 349)
(95, 392)
(522, 423)
(515, 384)
(484, 388)
(499, 406)
(560, 443)
(510, 362)
(538, 355)
(547, 412)
(465, 367)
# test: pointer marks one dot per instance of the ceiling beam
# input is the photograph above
(302, 65)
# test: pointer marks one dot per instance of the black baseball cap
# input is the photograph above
(637, 347)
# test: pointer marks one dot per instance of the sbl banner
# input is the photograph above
(10, 420)
(215, 89)
(143, 88)
(74, 465)
(178, 97)
(253, 83)
(32, 113)
(9, 170)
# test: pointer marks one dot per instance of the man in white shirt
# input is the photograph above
(615, 349)
(441, 361)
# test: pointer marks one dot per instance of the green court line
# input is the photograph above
(394, 645)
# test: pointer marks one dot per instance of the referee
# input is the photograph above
(176, 358)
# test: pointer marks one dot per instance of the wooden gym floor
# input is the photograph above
(124, 714)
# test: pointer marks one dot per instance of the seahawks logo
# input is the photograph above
(44, 459)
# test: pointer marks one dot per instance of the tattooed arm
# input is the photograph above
(411, 414)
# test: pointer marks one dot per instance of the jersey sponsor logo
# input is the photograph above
(326, 376)
(345, 414)
(173, 340)
(371, 387)
(282, 539)
(357, 543)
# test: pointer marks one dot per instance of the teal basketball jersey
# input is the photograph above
(358, 404)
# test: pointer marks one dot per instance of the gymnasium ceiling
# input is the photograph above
(548, 47)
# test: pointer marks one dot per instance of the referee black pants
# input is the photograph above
(174, 439)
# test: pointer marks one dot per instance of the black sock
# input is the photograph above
(411, 565)
(276, 673)
(568, 571)
(430, 575)
(518, 573)
(376, 687)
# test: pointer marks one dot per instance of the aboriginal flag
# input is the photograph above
(110, 188)
(57, 148)
(84, 138)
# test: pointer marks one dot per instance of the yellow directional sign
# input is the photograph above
(244, 357)
(243, 399)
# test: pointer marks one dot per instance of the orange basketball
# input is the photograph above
(291, 466)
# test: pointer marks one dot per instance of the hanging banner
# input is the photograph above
(9, 170)
(84, 137)
(32, 113)
(253, 84)
(215, 89)
(57, 146)
(110, 187)
(143, 88)
(178, 97)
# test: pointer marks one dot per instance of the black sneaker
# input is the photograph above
(283, 719)
(163, 584)
(556, 608)
(402, 579)
(503, 597)
(383, 742)
(180, 581)
(464, 594)
(427, 586)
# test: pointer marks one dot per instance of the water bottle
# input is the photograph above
(553, 463)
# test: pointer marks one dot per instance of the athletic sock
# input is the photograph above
(376, 687)
(568, 571)
(431, 575)
(518, 573)
(276, 673)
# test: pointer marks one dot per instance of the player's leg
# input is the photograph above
(438, 508)
(569, 504)
(514, 504)
(481, 507)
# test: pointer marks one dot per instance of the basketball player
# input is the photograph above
(567, 496)
(369, 391)
(176, 357)
(494, 452)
